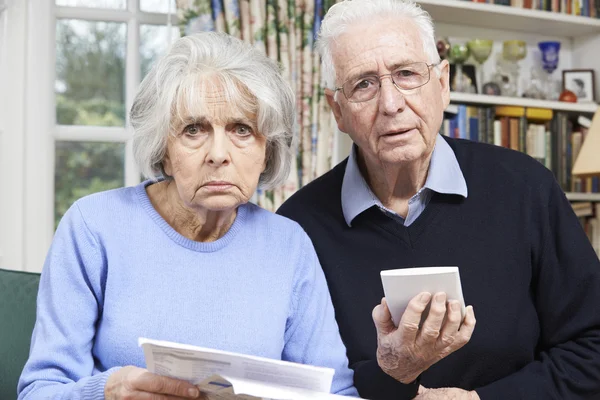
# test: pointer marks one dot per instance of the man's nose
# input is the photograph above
(391, 100)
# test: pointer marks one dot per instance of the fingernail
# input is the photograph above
(193, 392)
(425, 298)
(454, 306)
(440, 297)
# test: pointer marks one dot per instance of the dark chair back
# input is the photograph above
(18, 294)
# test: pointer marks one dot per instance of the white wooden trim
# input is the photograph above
(510, 18)
(101, 14)
(39, 144)
(583, 196)
(469, 98)
(12, 143)
(91, 133)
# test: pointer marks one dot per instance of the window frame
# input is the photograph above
(28, 129)
(133, 17)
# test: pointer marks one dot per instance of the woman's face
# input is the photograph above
(216, 154)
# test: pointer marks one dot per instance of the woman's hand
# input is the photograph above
(133, 383)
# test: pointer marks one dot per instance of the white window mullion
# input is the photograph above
(132, 79)
(92, 14)
(101, 14)
(77, 133)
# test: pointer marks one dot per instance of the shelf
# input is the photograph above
(583, 196)
(510, 18)
(469, 98)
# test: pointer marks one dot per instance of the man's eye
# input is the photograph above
(364, 84)
(405, 73)
(243, 130)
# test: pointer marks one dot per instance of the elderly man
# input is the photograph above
(408, 197)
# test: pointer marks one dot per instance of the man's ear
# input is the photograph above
(444, 79)
(335, 107)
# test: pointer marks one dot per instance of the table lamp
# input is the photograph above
(588, 160)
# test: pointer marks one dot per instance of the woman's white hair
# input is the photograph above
(178, 80)
(343, 16)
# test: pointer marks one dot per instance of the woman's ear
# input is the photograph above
(166, 166)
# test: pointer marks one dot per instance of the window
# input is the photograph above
(103, 50)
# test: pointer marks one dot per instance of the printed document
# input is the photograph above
(227, 375)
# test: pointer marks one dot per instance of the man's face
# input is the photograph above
(394, 127)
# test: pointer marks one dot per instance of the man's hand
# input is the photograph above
(137, 383)
(445, 394)
(405, 352)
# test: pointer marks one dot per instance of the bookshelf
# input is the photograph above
(493, 16)
(482, 99)
(594, 197)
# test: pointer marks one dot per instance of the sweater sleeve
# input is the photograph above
(60, 364)
(372, 383)
(312, 335)
(566, 292)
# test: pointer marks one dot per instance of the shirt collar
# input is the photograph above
(445, 176)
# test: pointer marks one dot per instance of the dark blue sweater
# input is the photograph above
(526, 266)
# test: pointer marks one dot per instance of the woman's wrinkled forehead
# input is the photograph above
(219, 98)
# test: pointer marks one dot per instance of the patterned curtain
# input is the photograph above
(285, 31)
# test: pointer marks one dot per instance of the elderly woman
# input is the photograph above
(183, 256)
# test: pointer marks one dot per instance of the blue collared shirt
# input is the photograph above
(444, 176)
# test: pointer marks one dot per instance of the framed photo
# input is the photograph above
(469, 77)
(581, 82)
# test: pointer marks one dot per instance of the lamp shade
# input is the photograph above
(588, 160)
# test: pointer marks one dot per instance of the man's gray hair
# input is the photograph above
(173, 82)
(343, 16)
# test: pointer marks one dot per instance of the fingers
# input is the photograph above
(409, 323)
(157, 384)
(383, 319)
(468, 325)
(465, 332)
(430, 331)
(450, 328)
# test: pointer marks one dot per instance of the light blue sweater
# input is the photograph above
(117, 271)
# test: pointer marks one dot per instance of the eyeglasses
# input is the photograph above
(406, 77)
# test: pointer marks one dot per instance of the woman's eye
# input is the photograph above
(243, 130)
(192, 129)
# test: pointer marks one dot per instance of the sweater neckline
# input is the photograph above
(408, 234)
(203, 247)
